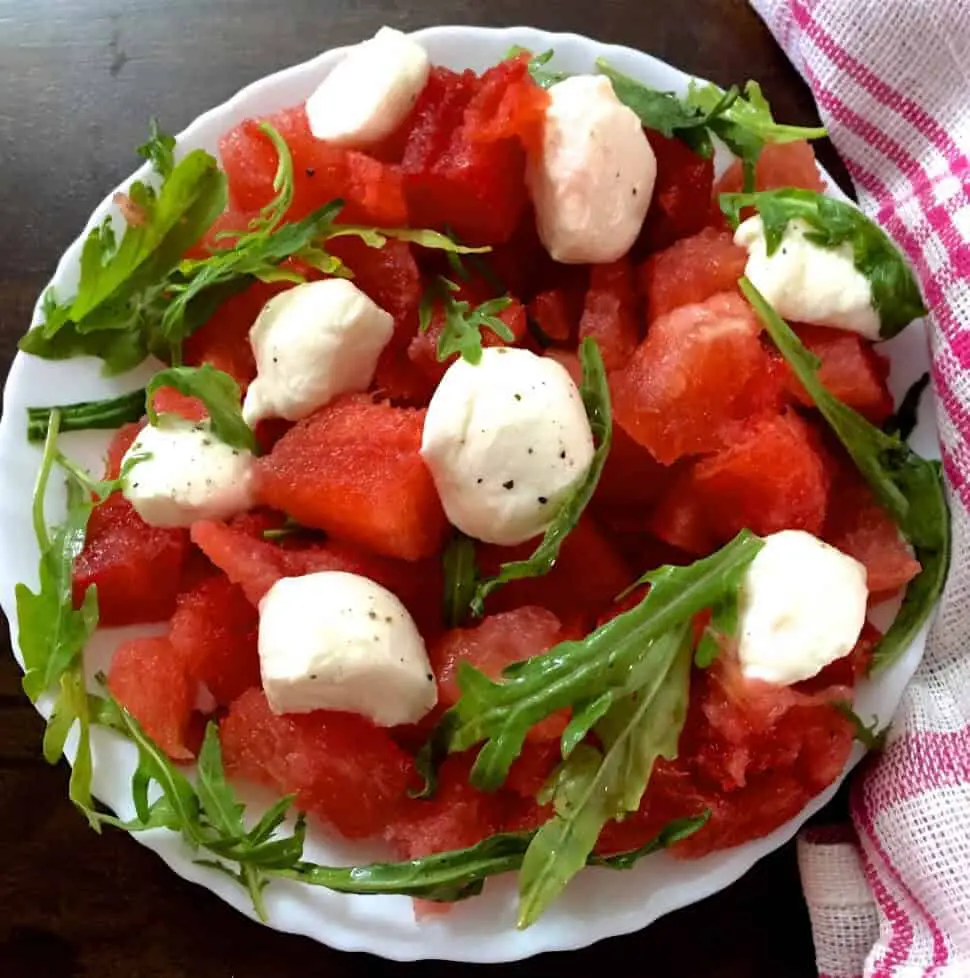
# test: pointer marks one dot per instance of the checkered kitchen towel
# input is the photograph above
(892, 82)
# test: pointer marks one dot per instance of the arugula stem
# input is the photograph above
(43, 478)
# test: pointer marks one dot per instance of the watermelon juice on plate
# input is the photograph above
(506, 488)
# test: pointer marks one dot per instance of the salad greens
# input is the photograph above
(909, 487)
(51, 632)
(462, 326)
(218, 391)
(612, 660)
(593, 786)
(141, 297)
(870, 735)
(596, 399)
(834, 223)
(461, 574)
(112, 412)
(904, 419)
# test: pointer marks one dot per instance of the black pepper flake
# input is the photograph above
(543, 500)
(478, 481)
(313, 675)
(372, 615)
(389, 619)
(235, 451)
(532, 451)
(276, 359)
(430, 678)
(206, 442)
(617, 174)
(509, 485)
(311, 171)
(634, 191)
(377, 638)
(562, 454)
(518, 397)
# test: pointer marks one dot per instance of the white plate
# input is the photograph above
(600, 903)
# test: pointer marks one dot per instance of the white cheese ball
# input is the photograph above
(312, 343)
(370, 93)
(806, 283)
(592, 184)
(336, 641)
(802, 606)
(189, 474)
(505, 440)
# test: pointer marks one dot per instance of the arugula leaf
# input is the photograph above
(217, 800)
(665, 112)
(460, 576)
(51, 633)
(115, 310)
(747, 124)
(608, 659)
(596, 399)
(673, 832)
(834, 223)
(544, 77)
(159, 150)
(591, 788)
(870, 735)
(909, 487)
(722, 626)
(422, 237)
(218, 391)
(111, 413)
(462, 326)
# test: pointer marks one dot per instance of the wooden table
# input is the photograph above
(78, 81)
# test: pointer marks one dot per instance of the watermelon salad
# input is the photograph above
(509, 489)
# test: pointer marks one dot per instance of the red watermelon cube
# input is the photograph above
(611, 314)
(149, 679)
(700, 370)
(354, 469)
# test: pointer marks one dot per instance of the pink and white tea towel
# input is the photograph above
(892, 82)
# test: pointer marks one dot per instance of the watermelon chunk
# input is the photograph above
(611, 314)
(859, 526)
(852, 370)
(454, 175)
(557, 313)
(508, 105)
(341, 767)
(214, 631)
(354, 469)
(700, 370)
(771, 477)
(457, 816)
(149, 679)
(679, 206)
(256, 565)
(135, 567)
(371, 190)
(692, 270)
(492, 645)
(586, 578)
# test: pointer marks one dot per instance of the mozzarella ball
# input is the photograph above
(802, 606)
(188, 474)
(312, 343)
(806, 283)
(336, 641)
(505, 441)
(592, 183)
(370, 93)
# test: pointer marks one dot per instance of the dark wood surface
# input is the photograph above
(78, 81)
